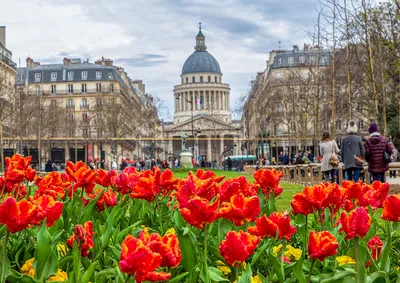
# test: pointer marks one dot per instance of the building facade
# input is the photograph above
(300, 94)
(202, 109)
(79, 110)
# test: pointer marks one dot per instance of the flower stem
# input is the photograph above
(159, 215)
(311, 269)
(219, 231)
(320, 218)
(283, 257)
(236, 268)
(4, 256)
(305, 238)
(205, 255)
(357, 259)
(127, 278)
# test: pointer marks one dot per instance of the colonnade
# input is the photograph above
(210, 100)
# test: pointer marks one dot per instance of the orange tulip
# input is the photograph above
(82, 175)
(391, 208)
(321, 245)
(168, 182)
(47, 208)
(148, 185)
(52, 185)
(140, 261)
(354, 190)
(199, 211)
(109, 198)
(276, 225)
(355, 224)
(204, 175)
(241, 209)
(16, 215)
(237, 247)
(83, 237)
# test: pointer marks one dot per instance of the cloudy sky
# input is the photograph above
(151, 39)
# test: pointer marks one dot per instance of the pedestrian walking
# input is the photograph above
(378, 151)
(352, 152)
(328, 150)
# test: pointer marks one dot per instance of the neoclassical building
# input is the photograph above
(202, 109)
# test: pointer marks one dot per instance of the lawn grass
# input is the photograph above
(282, 202)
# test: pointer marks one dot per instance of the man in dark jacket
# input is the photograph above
(375, 149)
(352, 146)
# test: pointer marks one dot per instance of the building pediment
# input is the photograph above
(204, 122)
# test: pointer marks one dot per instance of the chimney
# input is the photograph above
(30, 63)
(3, 35)
(67, 62)
(104, 62)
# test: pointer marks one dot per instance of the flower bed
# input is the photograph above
(97, 226)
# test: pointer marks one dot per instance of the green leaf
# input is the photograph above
(194, 275)
(90, 208)
(277, 267)
(77, 263)
(188, 248)
(298, 270)
(216, 275)
(179, 278)
(88, 275)
(338, 276)
(259, 252)
(384, 261)
(246, 276)
(16, 277)
(43, 254)
(262, 278)
(378, 275)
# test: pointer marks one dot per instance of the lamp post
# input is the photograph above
(191, 103)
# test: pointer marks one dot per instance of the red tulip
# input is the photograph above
(375, 246)
(237, 247)
(321, 245)
(140, 261)
(235, 186)
(108, 197)
(83, 236)
(148, 185)
(391, 208)
(167, 247)
(16, 215)
(106, 178)
(52, 185)
(168, 182)
(47, 208)
(356, 224)
(375, 195)
(199, 211)
(269, 181)
(241, 209)
(127, 180)
(195, 187)
(276, 225)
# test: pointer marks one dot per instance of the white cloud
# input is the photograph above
(238, 35)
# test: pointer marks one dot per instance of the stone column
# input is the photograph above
(193, 99)
(209, 148)
(221, 147)
(222, 100)
(217, 100)
(228, 106)
(210, 106)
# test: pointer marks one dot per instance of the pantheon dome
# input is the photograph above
(202, 108)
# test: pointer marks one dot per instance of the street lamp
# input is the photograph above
(191, 103)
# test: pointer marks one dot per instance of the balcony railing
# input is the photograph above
(8, 61)
(79, 91)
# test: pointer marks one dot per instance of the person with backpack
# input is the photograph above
(378, 151)
(352, 152)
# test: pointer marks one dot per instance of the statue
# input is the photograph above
(184, 141)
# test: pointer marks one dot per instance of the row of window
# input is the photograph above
(84, 103)
(86, 117)
(70, 88)
(70, 76)
(303, 59)
(201, 79)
